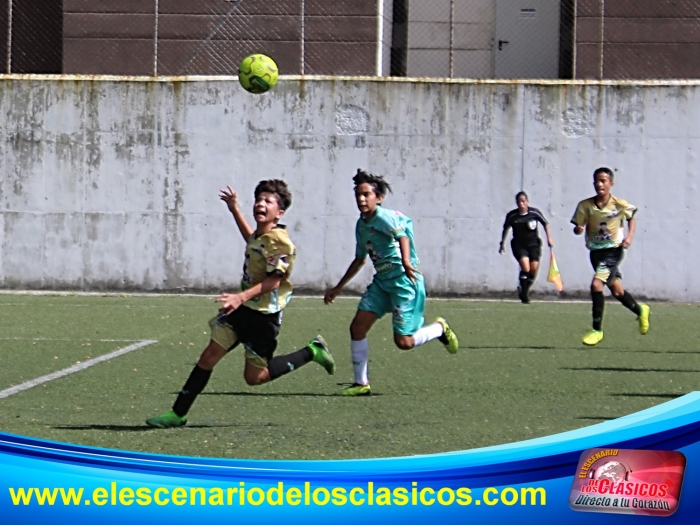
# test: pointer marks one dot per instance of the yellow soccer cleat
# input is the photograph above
(448, 337)
(643, 318)
(356, 390)
(593, 337)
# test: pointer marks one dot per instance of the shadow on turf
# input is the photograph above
(506, 347)
(635, 394)
(274, 394)
(658, 352)
(132, 428)
(596, 418)
(622, 369)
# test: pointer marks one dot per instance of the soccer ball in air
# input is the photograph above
(258, 73)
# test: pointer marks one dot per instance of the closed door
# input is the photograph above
(527, 38)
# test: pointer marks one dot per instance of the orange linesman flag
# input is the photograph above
(554, 276)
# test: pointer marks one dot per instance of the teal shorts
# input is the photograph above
(400, 297)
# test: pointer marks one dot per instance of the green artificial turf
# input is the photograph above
(521, 373)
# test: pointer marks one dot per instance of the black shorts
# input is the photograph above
(257, 331)
(531, 251)
(606, 263)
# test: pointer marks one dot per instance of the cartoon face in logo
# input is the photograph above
(247, 278)
(603, 232)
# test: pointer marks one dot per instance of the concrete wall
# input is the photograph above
(114, 184)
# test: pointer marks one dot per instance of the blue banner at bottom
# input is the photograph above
(525, 482)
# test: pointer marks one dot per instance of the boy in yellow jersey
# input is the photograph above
(602, 218)
(253, 316)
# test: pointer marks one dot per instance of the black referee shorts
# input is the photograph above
(531, 251)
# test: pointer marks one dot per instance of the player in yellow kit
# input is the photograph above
(253, 316)
(602, 219)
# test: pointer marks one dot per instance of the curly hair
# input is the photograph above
(279, 188)
(376, 181)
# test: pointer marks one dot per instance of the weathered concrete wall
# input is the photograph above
(114, 184)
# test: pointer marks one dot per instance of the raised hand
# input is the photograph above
(230, 197)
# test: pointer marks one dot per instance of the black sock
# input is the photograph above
(529, 281)
(630, 303)
(524, 281)
(283, 364)
(598, 307)
(193, 387)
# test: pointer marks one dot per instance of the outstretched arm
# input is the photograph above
(231, 199)
(351, 272)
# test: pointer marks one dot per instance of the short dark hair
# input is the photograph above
(605, 170)
(376, 181)
(521, 194)
(279, 188)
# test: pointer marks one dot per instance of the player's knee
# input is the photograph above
(357, 331)
(207, 360)
(617, 293)
(253, 379)
(404, 342)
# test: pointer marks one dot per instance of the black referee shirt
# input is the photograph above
(524, 226)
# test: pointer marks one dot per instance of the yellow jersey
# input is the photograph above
(269, 253)
(604, 226)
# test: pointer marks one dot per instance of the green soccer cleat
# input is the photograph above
(322, 354)
(593, 337)
(356, 390)
(448, 337)
(167, 420)
(644, 318)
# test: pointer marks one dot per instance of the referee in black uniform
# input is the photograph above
(526, 243)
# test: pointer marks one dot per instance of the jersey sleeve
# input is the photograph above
(539, 216)
(279, 256)
(508, 222)
(393, 224)
(580, 216)
(628, 210)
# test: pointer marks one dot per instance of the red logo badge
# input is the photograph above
(642, 482)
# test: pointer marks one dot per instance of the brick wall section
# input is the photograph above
(108, 37)
(643, 39)
(206, 37)
(3, 40)
(36, 36)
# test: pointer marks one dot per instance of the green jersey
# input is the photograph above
(379, 238)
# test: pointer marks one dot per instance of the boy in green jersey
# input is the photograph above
(386, 237)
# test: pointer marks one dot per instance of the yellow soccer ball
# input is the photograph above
(258, 73)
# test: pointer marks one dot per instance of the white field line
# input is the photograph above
(73, 369)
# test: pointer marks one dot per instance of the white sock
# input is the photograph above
(427, 333)
(360, 358)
